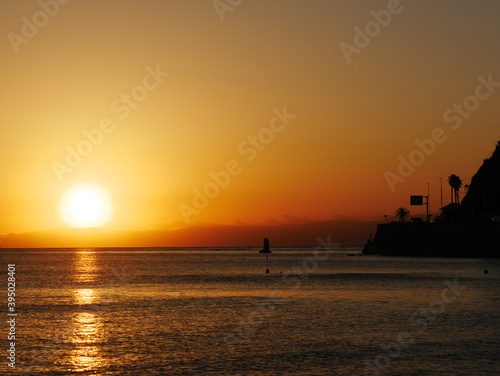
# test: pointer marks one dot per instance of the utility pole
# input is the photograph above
(441, 193)
(428, 190)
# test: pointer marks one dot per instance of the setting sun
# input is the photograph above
(86, 205)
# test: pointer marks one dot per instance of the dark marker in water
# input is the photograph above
(266, 250)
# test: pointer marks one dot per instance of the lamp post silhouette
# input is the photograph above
(428, 194)
(441, 193)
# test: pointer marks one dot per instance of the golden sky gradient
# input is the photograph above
(202, 77)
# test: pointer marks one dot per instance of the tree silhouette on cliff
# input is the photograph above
(455, 184)
(402, 213)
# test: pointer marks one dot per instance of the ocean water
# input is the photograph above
(213, 311)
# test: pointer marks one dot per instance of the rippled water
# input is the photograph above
(216, 312)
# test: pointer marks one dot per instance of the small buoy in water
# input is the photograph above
(485, 271)
(267, 270)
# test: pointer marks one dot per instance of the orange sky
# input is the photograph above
(179, 89)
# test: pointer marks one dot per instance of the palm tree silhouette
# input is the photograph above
(455, 184)
(402, 213)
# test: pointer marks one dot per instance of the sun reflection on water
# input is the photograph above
(86, 339)
(84, 296)
(85, 266)
(88, 329)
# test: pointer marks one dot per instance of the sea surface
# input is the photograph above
(207, 311)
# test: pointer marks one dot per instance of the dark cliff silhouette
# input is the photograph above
(468, 229)
(482, 201)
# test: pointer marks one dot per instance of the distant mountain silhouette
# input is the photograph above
(344, 232)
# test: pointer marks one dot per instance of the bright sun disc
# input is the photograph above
(86, 205)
